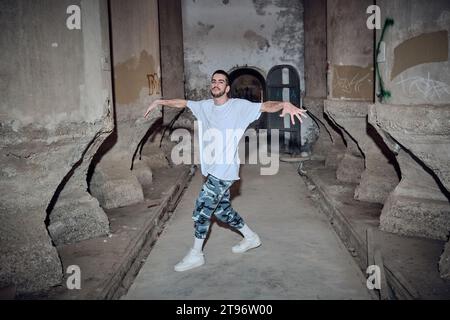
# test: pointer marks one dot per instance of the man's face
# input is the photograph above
(219, 86)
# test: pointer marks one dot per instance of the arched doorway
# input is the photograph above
(247, 83)
(283, 84)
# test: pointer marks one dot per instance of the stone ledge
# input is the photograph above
(410, 263)
(109, 264)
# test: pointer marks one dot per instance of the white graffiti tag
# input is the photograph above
(429, 89)
(350, 85)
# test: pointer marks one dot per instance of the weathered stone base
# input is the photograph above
(334, 157)
(350, 168)
(329, 145)
(76, 218)
(28, 261)
(416, 217)
(114, 185)
(375, 186)
(378, 176)
(142, 171)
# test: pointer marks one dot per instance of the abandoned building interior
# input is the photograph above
(89, 187)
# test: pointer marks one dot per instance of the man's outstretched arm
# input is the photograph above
(286, 107)
(174, 103)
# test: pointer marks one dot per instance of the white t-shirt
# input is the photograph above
(220, 128)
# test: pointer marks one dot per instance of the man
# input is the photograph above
(222, 115)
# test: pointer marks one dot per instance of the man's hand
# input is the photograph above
(152, 106)
(293, 111)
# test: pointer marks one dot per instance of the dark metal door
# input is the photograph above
(283, 84)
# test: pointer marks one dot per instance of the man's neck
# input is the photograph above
(221, 100)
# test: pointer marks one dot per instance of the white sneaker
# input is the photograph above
(247, 244)
(192, 260)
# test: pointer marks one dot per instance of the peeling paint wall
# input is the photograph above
(350, 50)
(228, 34)
(417, 69)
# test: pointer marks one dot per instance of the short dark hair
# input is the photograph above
(227, 77)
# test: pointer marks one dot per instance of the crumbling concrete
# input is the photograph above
(421, 137)
(444, 263)
(379, 177)
(55, 111)
(32, 169)
(77, 216)
(117, 174)
(330, 144)
(351, 166)
(350, 74)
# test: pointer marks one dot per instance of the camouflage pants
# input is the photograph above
(214, 198)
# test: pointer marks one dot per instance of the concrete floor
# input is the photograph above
(301, 257)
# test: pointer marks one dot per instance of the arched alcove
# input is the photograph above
(247, 83)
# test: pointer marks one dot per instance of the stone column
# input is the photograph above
(76, 215)
(379, 177)
(55, 112)
(350, 72)
(419, 206)
(330, 144)
(351, 166)
(172, 54)
(120, 176)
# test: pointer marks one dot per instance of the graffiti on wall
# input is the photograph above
(154, 84)
(353, 82)
(426, 88)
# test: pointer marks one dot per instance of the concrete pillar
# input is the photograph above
(329, 145)
(351, 167)
(417, 85)
(420, 135)
(379, 177)
(116, 180)
(350, 75)
(315, 24)
(172, 55)
(55, 112)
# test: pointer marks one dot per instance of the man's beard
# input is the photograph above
(218, 94)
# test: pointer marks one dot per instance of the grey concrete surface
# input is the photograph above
(55, 111)
(301, 257)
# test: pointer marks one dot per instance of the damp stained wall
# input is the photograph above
(137, 74)
(416, 69)
(49, 74)
(135, 42)
(350, 50)
(225, 35)
(172, 54)
(171, 41)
